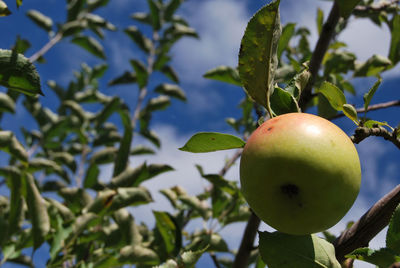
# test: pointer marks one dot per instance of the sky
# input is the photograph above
(220, 24)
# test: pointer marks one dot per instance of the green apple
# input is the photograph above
(300, 173)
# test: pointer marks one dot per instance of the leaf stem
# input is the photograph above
(46, 47)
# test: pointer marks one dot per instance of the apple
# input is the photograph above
(300, 173)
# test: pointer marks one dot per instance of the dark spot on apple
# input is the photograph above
(290, 190)
(270, 128)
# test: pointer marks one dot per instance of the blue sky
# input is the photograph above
(220, 24)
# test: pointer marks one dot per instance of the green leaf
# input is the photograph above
(351, 113)
(204, 142)
(170, 9)
(122, 159)
(158, 103)
(91, 45)
(155, 14)
(287, 33)
(151, 136)
(40, 19)
(138, 255)
(373, 66)
(37, 212)
(141, 149)
(141, 41)
(368, 96)
(333, 94)
(393, 233)
(16, 203)
(19, 3)
(283, 102)
(7, 104)
(320, 20)
(190, 258)
(129, 177)
(4, 11)
(225, 74)
(91, 177)
(95, 4)
(282, 250)
(169, 231)
(18, 73)
(99, 70)
(373, 123)
(171, 90)
(21, 45)
(298, 83)
(338, 62)
(346, 7)
(9, 143)
(141, 72)
(383, 257)
(394, 51)
(125, 78)
(257, 56)
(170, 73)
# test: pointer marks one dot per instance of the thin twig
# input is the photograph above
(368, 226)
(372, 108)
(362, 133)
(214, 258)
(46, 47)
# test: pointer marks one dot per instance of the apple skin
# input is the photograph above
(300, 173)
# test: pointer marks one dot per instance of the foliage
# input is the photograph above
(53, 174)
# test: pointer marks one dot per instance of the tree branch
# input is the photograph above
(327, 34)
(46, 47)
(246, 246)
(362, 133)
(368, 226)
(372, 108)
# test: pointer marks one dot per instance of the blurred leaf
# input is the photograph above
(21, 45)
(338, 62)
(368, 96)
(10, 144)
(129, 196)
(346, 7)
(203, 142)
(73, 27)
(194, 203)
(155, 14)
(19, 3)
(40, 19)
(158, 103)
(90, 44)
(190, 258)
(320, 20)
(15, 216)
(283, 102)
(171, 90)
(104, 156)
(7, 104)
(393, 233)
(138, 255)
(257, 56)
(142, 75)
(151, 136)
(347, 86)
(287, 33)
(170, 73)
(373, 66)
(18, 73)
(125, 78)
(122, 157)
(141, 149)
(95, 4)
(142, 17)
(91, 177)
(74, 7)
(394, 51)
(4, 11)
(64, 211)
(350, 112)
(99, 70)
(283, 250)
(225, 74)
(169, 231)
(108, 109)
(333, 94)
(170, 9)
(37, 212)
(141, 41)
(383, 257)
(97, 21)
(64, 158)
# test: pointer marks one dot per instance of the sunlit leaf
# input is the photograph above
(7, 104)
(210, 141)
(125, 78)
(373, 66)
(383, 257)
(333, 94)
(40, 19)
(171, 90)
(283, 102)
(394, 51)
(368, 96)
(90, 44)
(350, 112)
(141, 72)
(139, 255)
(141, 41)
(287, 33)
(224, 74)
(4, 11)
(320, 20)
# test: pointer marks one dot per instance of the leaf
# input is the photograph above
(37, 211)
(19, 3)
(129, 196)
(125, 78)
(155, 14)
(171, 90)
(122, 158)
(7, 104)
(138, 255)
(95, 4)
(298, 83)
(383, 257)
(282, 250)
(151, 136)
(99, 70)
(10, 144)
(203, 142)
(351, 113)
(393, 233)
(283, 102)
(4, 11)
(257, 56)
(224, 74)
(287, 33)
(40, 19)
(142, 17)
(170, 9)
(18, 73)
(368, 96)
(141, 149)
(394, 51)
(141, 72)
(373, 123)
(141, 41)
(21, 45)
(190, 258)
(373, 66)
(170, 73)
(346, 7)
(91, 177)
(16, 203)
(333, 94)
(338, 62)
(91, 45)
(320, 20)
(159, 103)
(169, 231)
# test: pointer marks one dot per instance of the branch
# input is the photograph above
(46, 47)
(362, 133)
(372, 108)
(327, 34)
(246, 246)
(368, 226)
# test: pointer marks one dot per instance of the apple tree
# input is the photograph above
(57, 199)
